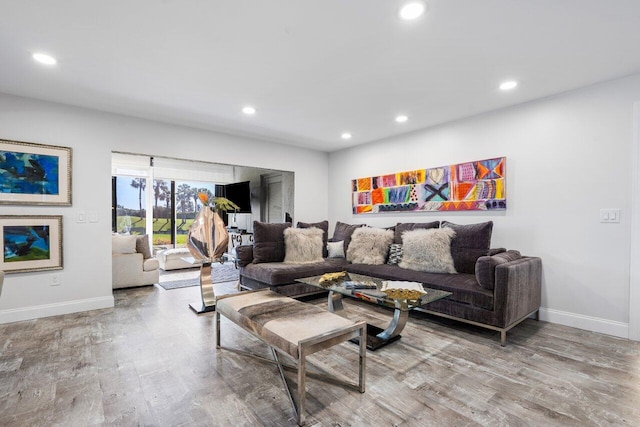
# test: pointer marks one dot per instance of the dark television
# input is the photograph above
(240, 194)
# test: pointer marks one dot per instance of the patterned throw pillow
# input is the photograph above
(395, 253)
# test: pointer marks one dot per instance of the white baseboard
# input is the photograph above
(46, 310)
(595, 324)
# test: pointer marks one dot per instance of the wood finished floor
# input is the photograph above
(151, 361)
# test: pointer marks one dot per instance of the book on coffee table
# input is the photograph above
(359, 285)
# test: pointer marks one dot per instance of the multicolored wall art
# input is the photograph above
(471, 186)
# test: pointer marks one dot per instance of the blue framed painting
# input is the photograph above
(31, 243)
(34, 174)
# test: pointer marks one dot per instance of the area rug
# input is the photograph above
(184, 278)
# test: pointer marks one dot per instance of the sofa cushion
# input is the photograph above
(343, 232)
(268, 241)
(142, 246)
(428, 250)
(322, 225)
(486, 267)
(471, 242)
(335, 249)
(302, 245)
(369, 245)
(464, 287)
(150, 264)
(121, 244)
(279, 273)
(401, 227)
(395, 253)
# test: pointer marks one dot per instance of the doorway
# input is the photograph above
(273, 198)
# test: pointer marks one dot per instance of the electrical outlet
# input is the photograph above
(55, 280)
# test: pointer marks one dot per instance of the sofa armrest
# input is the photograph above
(518, 289)
(244, 255)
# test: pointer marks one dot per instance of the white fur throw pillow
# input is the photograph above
(302, 245)
(369, 245)
(428, 250)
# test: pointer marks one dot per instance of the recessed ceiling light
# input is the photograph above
(402, 119)
(43, 58)
(249, 110)
(508, 85)
(412, 10)
(346, 135)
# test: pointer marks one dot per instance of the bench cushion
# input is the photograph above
(280, 321)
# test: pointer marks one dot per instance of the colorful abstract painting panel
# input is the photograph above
(476, 185)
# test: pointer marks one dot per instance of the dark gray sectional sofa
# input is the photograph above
(494, 288)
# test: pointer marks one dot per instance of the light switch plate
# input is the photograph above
(610, 215)
(81, 216)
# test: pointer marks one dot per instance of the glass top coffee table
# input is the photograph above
(349, 286)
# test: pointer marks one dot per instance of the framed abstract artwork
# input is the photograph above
(31, 243)
(34, 174)
(478, 185)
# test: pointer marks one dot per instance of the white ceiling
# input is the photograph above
(312, 68)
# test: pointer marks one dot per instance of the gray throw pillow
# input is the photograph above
(142, 246)
(268, 241)
(428, 250)
(471, 242)
(486, 267)
(369, 246)
(302, 245)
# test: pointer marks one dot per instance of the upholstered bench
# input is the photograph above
(294, 328)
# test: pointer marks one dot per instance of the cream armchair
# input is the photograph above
(132, 264)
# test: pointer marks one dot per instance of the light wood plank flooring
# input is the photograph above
(151, 361)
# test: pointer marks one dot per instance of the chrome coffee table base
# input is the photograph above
(376, 337)
(374, 341)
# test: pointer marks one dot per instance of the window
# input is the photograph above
(174, 207)
(163, 219)
(129, 203)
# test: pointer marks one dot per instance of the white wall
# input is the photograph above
(86, 277)
(567, 157)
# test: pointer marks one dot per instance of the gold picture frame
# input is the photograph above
(34, 174)
(31, 243)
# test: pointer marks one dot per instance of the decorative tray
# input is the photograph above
(403, 290)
